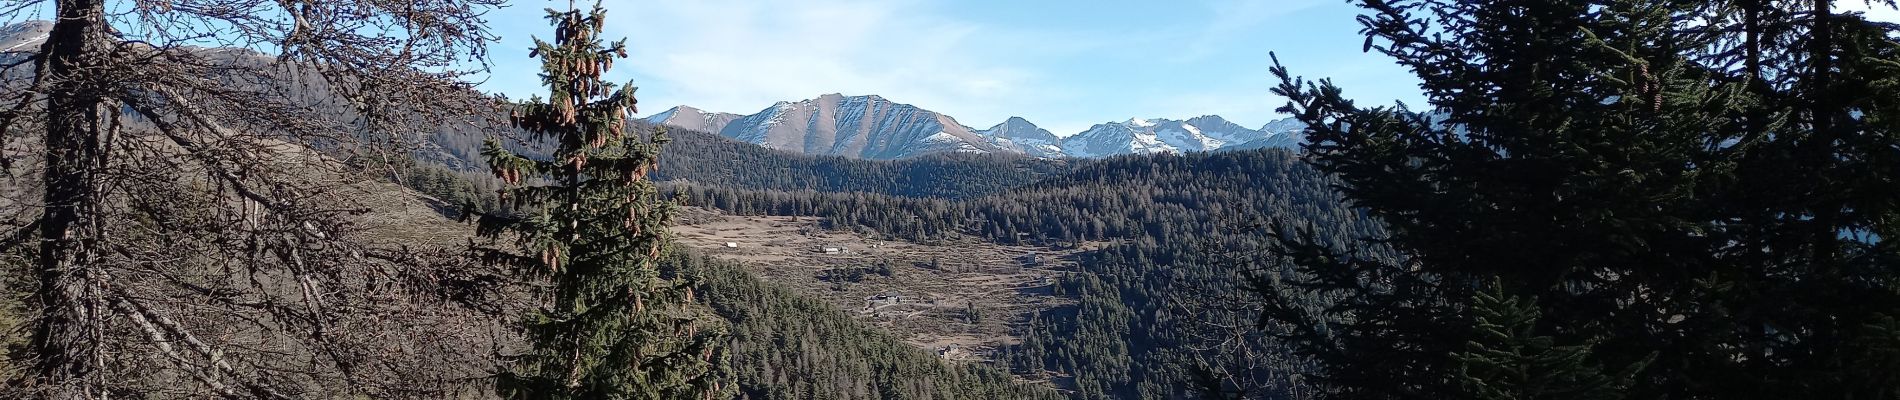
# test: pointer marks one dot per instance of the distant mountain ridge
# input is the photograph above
(872, 127)
(875, 128)
(1149, 136)
(695, 119)
(868, 127)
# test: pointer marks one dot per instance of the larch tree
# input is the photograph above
(182, 183)
(614, 323)
(1692, 199)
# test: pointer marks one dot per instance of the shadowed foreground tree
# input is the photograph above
(181, 184)
(1665, 200)
(613, 323)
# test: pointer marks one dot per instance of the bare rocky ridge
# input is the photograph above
(689, 118)
(867, 127)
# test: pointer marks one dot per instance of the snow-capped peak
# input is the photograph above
(1157, 135)
(1284, 126)
(1020, 135)
(874, 127)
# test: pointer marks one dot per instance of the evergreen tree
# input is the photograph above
(1699, 190)
(1506, 360)
(614, 325)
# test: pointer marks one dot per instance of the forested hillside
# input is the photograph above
(1173, 237)
(699, 157)
(1177, 230)
(1156, 310)
(789, 346)
(1156, 198)
(710, 159)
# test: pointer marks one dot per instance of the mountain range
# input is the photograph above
(875, 128)
(872, 127)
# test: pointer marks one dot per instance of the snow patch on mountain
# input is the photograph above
(1019, 135)
(1157, 135)
(1284, 126)
(20, 40)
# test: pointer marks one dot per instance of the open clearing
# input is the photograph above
(927, 296)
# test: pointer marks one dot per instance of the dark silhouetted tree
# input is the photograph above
(1701, 192)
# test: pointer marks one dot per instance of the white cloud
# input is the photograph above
(743, 55)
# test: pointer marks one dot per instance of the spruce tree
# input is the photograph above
(1506, 359)
(1703, 192)
(614, 324)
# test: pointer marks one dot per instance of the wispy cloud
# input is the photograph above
(1230, 19)
(1063, 65)
(741, 55)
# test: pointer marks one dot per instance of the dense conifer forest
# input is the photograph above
(1174, 226)
(697, 157)
(790, 346)
(1161, 197)
(693, 157)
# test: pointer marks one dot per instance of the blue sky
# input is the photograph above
(1064, 65)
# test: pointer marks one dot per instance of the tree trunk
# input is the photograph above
(71, 315)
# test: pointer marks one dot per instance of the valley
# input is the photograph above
(964, 299)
